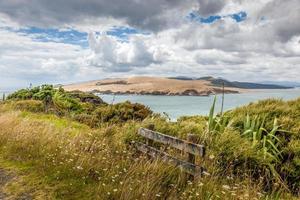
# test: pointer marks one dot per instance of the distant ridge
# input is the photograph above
(283, 83)
(234, 84)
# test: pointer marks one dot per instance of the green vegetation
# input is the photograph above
(84, 107)
(79, 148)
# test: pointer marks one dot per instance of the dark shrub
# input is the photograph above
(64, 104)
(122, 112)
(86, 97)
(21, 95)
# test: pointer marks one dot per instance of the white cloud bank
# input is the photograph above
(266, 46)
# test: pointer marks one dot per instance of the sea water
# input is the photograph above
(176, 106)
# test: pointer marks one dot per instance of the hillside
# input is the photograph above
(236, 84)
(182, 86)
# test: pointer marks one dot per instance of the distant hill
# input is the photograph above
(283, 83)
(179, 86)
(182, 86)
(183, 78)
(235, 84)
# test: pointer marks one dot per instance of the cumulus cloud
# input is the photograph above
(284, 17)
(23, 60)
(210, 7)
(113, 55)
(265, 46)
(150, 15)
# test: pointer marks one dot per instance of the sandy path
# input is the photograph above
(5, 178)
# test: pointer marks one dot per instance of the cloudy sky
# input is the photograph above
(63, 41)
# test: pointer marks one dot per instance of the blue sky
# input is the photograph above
(72, 36)
(238, 17)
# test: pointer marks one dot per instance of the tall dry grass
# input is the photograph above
(77, 162)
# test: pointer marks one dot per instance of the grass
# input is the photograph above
(93, 165)
(69, 159)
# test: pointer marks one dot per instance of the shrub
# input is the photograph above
(21, 95)
(122, 112)
(65, 104)
(86, 97)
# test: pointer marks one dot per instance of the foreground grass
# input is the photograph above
(72, 145)
(68, 160)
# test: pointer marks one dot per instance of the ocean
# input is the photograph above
(177, 106)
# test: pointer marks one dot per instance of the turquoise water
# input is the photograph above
(176, 106)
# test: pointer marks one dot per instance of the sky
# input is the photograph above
(68, 41)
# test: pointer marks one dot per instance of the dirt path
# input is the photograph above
(6, 177)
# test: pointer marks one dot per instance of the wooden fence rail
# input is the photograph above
(187, 146)
(174, 142)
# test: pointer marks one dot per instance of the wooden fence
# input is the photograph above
(188, 147)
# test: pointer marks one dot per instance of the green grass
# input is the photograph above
(252, 152)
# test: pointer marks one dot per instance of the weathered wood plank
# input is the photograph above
(174, 142)
(154, 153)
(191, 158)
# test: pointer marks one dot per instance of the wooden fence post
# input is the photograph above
(148, 141)
(191, 157)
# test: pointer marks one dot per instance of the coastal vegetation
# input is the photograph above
(72, 145)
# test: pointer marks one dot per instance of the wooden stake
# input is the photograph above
(191, 157)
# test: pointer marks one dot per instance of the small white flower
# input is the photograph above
(226, 187)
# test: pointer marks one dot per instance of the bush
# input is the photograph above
(86, 97)
(65, 104)
(21, 95)
(122, 112)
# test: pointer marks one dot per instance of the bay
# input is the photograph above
(177, 106)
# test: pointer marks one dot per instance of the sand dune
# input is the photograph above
(151, 85)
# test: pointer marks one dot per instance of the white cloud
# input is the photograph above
(266, 46)
(111, 54)
(26, 61)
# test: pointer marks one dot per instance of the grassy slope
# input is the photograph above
(68, 160)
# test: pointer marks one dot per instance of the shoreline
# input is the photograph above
(159, 93)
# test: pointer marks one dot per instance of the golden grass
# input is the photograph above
(74, 161)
